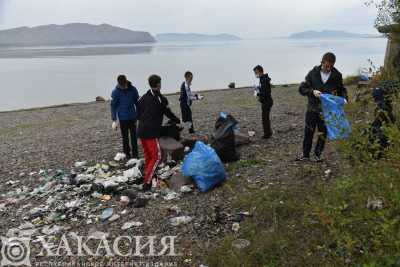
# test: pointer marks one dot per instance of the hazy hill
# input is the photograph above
(72, 34)
(195, 37)
(327, 34)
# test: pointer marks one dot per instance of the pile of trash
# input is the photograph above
(63, 196)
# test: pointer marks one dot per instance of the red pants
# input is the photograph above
(152, 157)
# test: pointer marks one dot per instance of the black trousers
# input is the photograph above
(129, 138)
(314, 120)
(186, 112)
(266, 120)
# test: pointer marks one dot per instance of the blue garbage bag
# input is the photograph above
(204, 166)
(335, 119)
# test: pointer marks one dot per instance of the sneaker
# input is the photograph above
(318, 159)
(267, 136)
(303, 159)
(146, 187)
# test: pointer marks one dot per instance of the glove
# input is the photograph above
(115, 125)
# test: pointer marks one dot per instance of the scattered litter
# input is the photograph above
(51, 230)
(120, 157)
(98, 235)
(80, 164)
(106, 214)
(241, 243)
(328, 173)
(171, 196)
(132, 173)
(375, 204)
(104, 197)
(129, 225)
(73, 204)
(186, 189)
(134, 162)
(114, 218)
(175, 209)
(180, 220)
(252, 133)
(235, 227)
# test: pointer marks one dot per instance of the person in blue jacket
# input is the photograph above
(124, 101)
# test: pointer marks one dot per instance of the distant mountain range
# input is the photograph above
(195, 37)
(328, 34)
(72, 34)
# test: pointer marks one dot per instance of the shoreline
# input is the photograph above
(77, 104)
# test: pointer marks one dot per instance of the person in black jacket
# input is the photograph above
(322, 79)
(186, 100)
(151, 110)
(264, 95)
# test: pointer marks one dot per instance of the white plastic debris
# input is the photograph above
(73, 204)
(375, 204)
(328, 172)
(114, 218)
(119, 157)
(171, 196)
(80, 164)
(133, 173)
(252, 133)
(236, 227)
(51, 230)
(186, 189)
(129, 225)
(180, 220)
(133, 162)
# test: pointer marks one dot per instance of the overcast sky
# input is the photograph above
(246, 18)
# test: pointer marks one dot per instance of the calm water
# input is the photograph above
(48, 76)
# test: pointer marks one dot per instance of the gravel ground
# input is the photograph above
(56, 138)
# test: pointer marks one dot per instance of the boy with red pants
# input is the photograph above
(151, 110)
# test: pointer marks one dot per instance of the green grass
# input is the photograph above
(319, 223)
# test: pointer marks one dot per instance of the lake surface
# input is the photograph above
(33, 77)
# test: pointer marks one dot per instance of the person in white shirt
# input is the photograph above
(186, 100)
(322, 79)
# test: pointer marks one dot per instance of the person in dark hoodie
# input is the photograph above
(322, 79)
(264, 95)
(151, 110)
(124, 101)
(186, 100)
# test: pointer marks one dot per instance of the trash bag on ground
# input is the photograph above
(241, 138)
(172, 148)
(204, 166)
(335, 119)
(171, 130)
(224, 139)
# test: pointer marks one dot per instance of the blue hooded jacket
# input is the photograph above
(124, 103)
